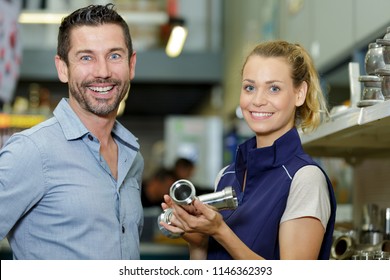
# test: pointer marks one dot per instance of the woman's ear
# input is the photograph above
(301, 94)
(62, 69)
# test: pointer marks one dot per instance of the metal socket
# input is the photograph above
(183, 192)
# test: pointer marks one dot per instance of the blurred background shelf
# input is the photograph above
(20, 121)
(359, 132)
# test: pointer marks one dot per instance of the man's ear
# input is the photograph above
(133, 61)
(62, 69)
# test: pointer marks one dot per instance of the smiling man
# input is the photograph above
(70, 186)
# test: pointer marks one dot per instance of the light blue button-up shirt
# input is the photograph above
(58, 198)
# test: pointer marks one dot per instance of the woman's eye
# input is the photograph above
(274, 89)
(249, 88)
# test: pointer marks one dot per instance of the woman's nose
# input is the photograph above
(259, 99)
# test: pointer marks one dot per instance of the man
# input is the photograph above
(184, 168)
(156, 187)
(70, 186)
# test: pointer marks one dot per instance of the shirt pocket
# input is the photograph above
(131, 206)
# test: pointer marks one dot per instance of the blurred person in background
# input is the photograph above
(70, 187)
(286, 202)
(154, 189)
(184, 168)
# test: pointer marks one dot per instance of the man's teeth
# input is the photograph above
(261, 114)
(101, 90)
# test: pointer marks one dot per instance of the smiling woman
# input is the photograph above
(286, 207)
(268, 98)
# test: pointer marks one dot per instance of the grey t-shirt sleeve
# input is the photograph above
(309, 196)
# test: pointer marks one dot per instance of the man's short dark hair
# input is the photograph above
(92, 15)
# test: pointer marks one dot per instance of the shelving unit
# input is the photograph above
(20, 121)
(12, 123)
(352, 134)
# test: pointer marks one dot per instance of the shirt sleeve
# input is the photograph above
(21, 180)
(309, 196)
(218, 177)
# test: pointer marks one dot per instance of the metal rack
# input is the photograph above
(352, 134)
(12, 123)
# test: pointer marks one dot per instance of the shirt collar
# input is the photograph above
(70, 123)
(73, 128)
(283, 149)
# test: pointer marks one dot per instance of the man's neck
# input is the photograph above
(100, 126)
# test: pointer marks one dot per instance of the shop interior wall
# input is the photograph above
(245, 23)
(336, 33)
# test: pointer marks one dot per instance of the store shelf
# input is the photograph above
(354, 133)
(20, 121)
(203, 67)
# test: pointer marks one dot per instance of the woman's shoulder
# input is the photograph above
(219, 176)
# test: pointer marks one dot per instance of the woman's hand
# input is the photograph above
(173, 225)
(197, 242)
(194, 218)
(199, 218)
(203, 221)
(176, 226)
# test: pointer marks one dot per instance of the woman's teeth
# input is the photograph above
(261, 114)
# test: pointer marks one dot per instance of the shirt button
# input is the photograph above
(90, 137)
(123, 229)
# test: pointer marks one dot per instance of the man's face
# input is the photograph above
(99, 69)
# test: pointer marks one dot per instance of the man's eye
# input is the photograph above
(86, 58)
(115, 56)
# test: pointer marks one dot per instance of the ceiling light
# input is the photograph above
(41, 18)
(177, 38)
(145, 18)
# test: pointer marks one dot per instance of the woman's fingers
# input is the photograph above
(197, 217)
(168, 202)
(172, 228)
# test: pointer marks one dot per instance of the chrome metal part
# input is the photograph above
(183, 192)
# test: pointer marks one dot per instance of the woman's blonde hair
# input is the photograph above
(308, 115)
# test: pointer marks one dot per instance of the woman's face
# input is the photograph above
(268, 98)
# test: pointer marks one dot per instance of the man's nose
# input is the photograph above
(102, 69)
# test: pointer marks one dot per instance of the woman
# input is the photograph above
(286, 202)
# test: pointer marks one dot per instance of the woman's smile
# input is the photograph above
(261, 115)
